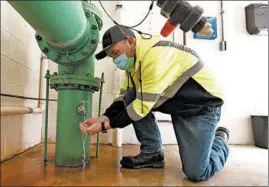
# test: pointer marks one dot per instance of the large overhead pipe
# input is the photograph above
(67, 32)
(52, 20)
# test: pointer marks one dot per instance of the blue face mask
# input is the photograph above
(123, 62)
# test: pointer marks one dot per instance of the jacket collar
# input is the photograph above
(142, 47)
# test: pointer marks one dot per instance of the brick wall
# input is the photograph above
(20, 64)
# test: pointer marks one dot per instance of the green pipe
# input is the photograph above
(60, 23)
(68, 34)
(46, 116)
(69, 147)
(99, 114)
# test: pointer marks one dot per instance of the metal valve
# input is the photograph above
(181, 13)
(82, 109)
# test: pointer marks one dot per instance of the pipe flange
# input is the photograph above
(75, 56)
(75, 87)
(90, 9)
(77, 82)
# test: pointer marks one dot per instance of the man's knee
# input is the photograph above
(196, 175)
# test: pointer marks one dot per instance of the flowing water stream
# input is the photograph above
(84, 147)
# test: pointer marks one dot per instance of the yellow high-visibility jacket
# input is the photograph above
(161, 69)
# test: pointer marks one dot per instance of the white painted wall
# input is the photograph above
(242, 70)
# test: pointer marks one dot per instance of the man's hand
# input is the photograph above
(90, 130)
(92, 126)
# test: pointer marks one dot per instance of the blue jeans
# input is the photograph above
(202, 154)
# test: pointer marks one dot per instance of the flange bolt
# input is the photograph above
(93, 40)
(94, 27)
(38, 37)
(45, 50)
(57, 58)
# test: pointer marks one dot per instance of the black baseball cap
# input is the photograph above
(112, 36)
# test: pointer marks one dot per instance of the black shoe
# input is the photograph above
(153, 160)
(223, 132)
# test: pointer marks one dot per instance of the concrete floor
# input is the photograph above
(247, 166)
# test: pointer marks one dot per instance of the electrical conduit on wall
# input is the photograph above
(117, 133)
(20, 110)
(44, 65)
